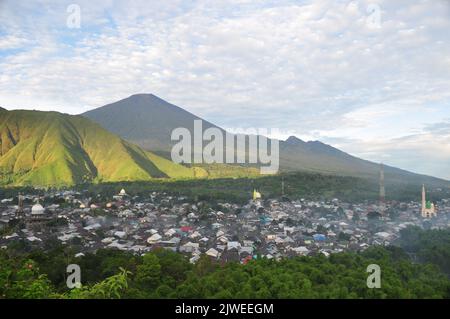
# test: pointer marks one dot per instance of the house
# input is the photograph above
(194, 259)
(319, 237)
(108, 240)
(301, 250)
(246, 250)
(93, 227)
(120, 234)
(212, 253)
(170, 232)
(233, 245)
(383, 235)
(189, 247)
(172, 242)
(194, 235)
(153, 239)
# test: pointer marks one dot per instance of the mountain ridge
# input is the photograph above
(295, 154)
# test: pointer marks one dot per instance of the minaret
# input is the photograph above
(382, 190)
(424, 201)
(19, 212)
(282, 186)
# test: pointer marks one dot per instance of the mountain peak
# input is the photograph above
(145, 119)
(144, 96)
(143, 101)
(294, 140)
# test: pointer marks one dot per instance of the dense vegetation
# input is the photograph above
(297, 185)
(55, 149)
(430, 246)
(165, 274)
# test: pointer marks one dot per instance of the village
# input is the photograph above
(262, 228)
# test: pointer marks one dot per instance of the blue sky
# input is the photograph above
(369, 77)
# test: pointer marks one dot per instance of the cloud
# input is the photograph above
(426, 151)
(331, 69)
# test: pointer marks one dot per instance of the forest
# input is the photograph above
(431, 246)
(306, 185)
(417, 268)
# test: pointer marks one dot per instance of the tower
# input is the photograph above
(382, 190)
(282, 186)
(424, 199)
(19, 212)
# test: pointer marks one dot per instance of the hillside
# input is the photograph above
(148, 121)
(315, 156)
(50, 148)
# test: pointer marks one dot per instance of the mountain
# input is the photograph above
(315, 156)
(50, 148)
(144, 119)
(148, 121)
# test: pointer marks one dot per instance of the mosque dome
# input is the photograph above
(37, 209)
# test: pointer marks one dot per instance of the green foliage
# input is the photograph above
(148, 274)
(55, 149)
(297, 185)
(165, 274)
(111, 288)
(23, 281)
(428, 246)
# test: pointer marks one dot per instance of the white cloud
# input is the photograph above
(318, 68)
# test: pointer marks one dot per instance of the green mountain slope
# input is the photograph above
(50, 148)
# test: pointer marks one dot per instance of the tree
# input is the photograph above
(321, 229)
(344, 237)
(113, 287)
(149, 272)
(25, 283)
(205, 265)
(373, 216)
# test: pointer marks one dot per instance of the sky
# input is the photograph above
(369, 77)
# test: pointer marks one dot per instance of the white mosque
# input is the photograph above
(38, 216)
(122, 194)
(428, 208)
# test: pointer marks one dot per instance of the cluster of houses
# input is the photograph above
(269, 228)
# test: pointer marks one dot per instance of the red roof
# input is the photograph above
(186, 229)
(246, 260)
